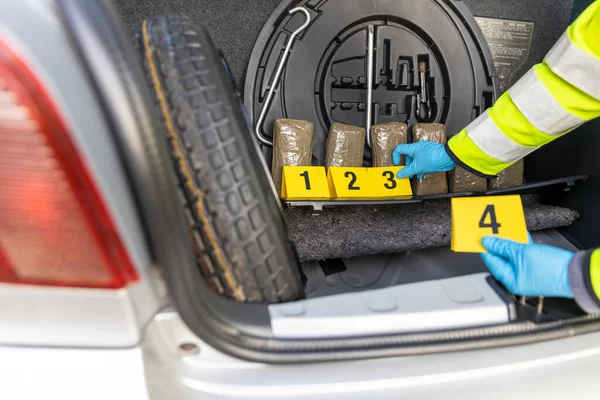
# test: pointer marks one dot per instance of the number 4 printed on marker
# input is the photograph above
(490, 211)
(474, 218)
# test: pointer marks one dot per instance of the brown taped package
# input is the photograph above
(292, 145)
(510, 177)
(431, 183)
(462, 181)
(345, 146)
(385, 138)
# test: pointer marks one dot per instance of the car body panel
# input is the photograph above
(38, 315)
(564, 368)
(72, 374)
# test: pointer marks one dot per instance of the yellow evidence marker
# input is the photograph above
(385, 185)
(304, 183)
(367, 183)
(348, 183)
(473, 218)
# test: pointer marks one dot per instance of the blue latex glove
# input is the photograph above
(422, 158)
(529, 269)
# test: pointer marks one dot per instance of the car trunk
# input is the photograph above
(413, 292)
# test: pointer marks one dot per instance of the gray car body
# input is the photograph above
(88, 343)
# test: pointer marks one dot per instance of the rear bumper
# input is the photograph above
(548, 369)
(73, 374)
(157, 370)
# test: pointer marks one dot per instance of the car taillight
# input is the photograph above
(54, 228)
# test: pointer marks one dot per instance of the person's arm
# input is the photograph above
(539, 270)
(584, 279)
(553, 98)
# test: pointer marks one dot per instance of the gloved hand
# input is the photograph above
(529, 269)
(422, 158)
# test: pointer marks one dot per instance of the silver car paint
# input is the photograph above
(557, 369)
(72, 374)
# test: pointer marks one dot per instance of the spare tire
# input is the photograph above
(235, 219)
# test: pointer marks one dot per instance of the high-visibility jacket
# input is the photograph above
(550, 100)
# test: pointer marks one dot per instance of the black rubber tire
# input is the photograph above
(236, 222)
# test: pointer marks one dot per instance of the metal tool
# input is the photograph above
(524, 300)
(423, 100)
(369, 105)
(540, 306)
(403, 79)
(275, 80)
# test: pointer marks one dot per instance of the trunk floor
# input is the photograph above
(377, 272)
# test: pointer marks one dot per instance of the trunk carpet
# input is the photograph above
(234, 27)
(352, 231)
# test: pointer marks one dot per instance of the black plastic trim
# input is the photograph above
(566, 184)
(500, 291)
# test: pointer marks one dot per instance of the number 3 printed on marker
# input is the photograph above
(391, 184)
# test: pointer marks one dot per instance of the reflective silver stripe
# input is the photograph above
(493, 142)
(537, 104)
(575, 66)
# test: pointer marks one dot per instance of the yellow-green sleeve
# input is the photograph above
(584, 279)
(550, 100)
